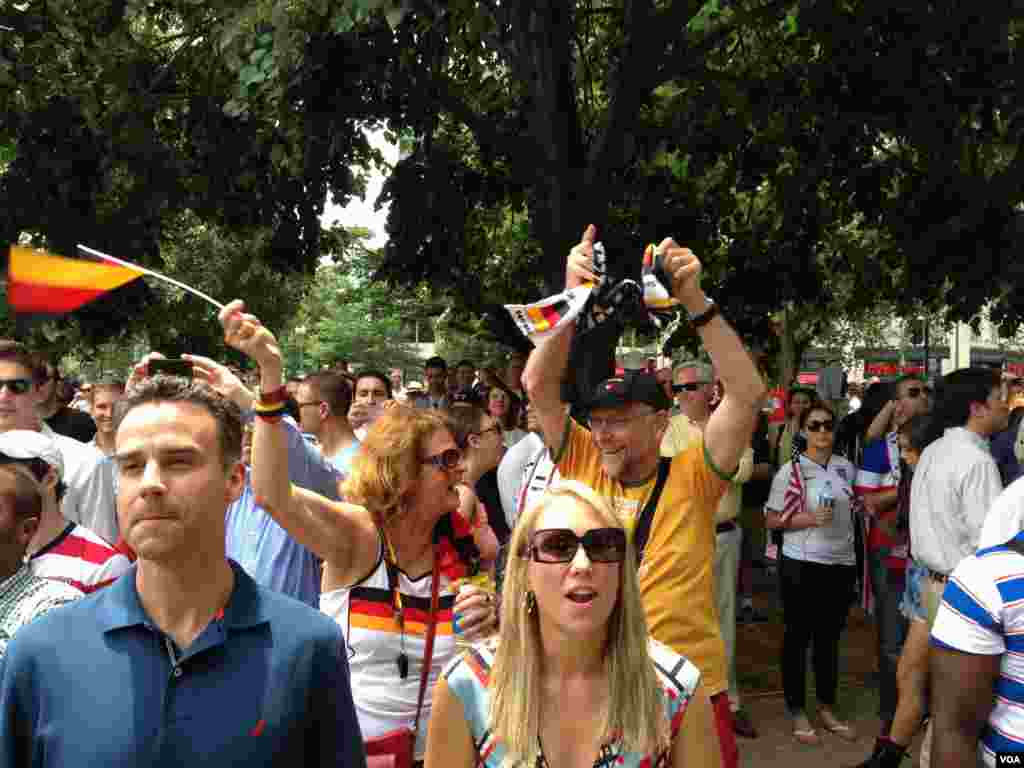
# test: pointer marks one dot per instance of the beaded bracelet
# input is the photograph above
(269, 411)
(272, 417)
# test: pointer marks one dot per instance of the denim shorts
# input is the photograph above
(912, 604)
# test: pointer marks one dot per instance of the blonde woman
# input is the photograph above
(573, 677)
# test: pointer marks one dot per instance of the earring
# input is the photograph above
(531, 603)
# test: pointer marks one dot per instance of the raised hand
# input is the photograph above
(684, 268)
(579, 267)
(221, 380)
(247, 334)
(140, 370)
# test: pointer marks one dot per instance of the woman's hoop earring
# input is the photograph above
(531, 603)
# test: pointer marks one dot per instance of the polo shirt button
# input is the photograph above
(177, 671)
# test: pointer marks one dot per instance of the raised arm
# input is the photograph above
(880, 424)
(545, 369)
(730, 427)
(343, 535)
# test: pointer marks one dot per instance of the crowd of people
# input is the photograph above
(345, 569)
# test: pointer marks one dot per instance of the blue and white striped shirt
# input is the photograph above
(982, 613)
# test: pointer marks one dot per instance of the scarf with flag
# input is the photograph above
(591, 304)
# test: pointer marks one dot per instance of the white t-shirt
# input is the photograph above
(831, 544)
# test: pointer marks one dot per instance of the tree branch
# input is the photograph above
(681, 65)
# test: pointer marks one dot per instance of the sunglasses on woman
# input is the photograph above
(820, 426)
(446, 460)
(689, 387)
(560, 545)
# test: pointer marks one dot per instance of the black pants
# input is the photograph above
(815, 600)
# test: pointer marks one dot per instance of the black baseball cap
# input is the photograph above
(631, 387)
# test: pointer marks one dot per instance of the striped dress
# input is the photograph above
(982, 613)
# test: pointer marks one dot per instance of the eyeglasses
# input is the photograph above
(615, 425)
(820, 426)
(692, 386)
(16, 386)
(446, 460)
(560, 545)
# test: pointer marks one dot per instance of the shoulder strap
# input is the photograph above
(431, 631)
(643, 522)
(1015, 545)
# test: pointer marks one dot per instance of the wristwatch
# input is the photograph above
(705, 317)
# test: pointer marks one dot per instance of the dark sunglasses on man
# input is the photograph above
(560, 545)
(692, 386)
(16, 386)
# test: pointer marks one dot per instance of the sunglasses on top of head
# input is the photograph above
(446, 460)
(820, 426)
(560, 545)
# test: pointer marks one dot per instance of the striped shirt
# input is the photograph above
(80, 558)
(384, 701)
(982, 613)
(880, 471)
(24, 597)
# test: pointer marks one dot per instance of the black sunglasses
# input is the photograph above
(693, 386)
(914, 392)
(16, 386)
(559, 545)
(446, 460)
(820, 426)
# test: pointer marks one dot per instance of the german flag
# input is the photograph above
(40, 283)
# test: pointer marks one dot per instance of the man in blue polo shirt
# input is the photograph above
(185, 660)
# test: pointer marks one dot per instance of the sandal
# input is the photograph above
(842, 730)
(807, 737)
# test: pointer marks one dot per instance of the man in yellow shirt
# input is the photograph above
(619, 458)
(694, 391)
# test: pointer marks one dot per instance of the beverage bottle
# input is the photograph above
(827, 498)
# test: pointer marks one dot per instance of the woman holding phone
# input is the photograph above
(811, 503)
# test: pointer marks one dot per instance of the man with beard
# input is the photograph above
(675, 500)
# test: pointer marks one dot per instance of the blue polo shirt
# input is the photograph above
(266, 684)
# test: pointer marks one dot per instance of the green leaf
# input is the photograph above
(791, 26)
(250, 75)
(256, 56)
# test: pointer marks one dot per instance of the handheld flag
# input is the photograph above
(41, 283)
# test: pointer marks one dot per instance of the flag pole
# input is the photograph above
(151, 273)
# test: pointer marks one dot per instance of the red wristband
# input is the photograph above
(278, 395)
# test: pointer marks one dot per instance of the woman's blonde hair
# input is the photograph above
(635, 711)
(388, 462)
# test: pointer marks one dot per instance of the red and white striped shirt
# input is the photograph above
(80, 558)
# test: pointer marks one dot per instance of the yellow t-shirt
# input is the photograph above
(677, 574)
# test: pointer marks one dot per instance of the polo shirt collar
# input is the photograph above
(962, 433)
(122, 608)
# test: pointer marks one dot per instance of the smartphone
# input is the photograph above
(173, 367)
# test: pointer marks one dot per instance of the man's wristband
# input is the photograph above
(703, 318)
(274, 397)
